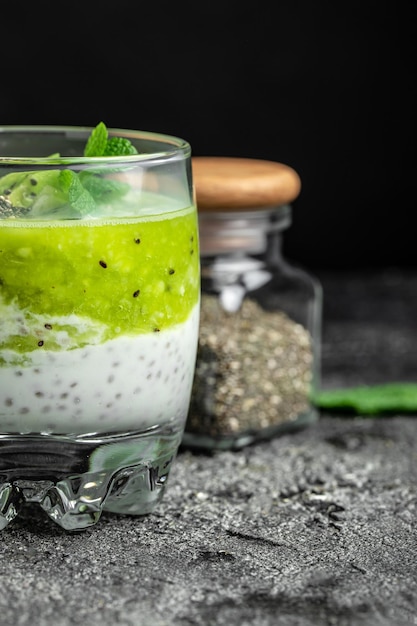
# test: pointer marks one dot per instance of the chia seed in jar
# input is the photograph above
(259, 342)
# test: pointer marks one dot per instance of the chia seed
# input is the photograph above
(253, 370)
(7, 209)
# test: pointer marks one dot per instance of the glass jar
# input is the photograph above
(258, 361)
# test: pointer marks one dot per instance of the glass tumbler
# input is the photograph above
(99, 316)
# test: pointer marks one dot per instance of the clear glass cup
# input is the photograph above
(99, 314)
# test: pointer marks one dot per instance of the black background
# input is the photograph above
(326, 87)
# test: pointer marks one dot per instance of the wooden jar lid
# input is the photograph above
(234, 183)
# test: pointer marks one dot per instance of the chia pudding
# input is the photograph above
(98, 322)
(99, 319)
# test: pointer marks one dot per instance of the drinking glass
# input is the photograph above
(99, 314)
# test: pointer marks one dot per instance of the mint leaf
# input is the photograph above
(119, 146)
(103, 189)
(78, 197)
(97, 141)
(100, 144)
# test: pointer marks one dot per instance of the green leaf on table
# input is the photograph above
(393, 397)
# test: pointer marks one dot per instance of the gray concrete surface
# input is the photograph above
(318, 527)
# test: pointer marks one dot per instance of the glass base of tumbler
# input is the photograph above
(75, 479)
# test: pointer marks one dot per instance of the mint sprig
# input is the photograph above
(48, 193)
(100, 144)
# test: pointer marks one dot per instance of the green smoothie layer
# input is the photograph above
(132, 276)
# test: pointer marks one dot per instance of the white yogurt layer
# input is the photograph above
(126, 384)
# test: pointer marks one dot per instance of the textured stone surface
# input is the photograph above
(314, 528)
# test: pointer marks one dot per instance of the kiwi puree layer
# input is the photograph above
(118, 277)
